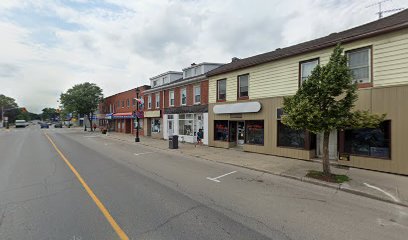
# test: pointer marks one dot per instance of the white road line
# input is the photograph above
(386, 193)
(137, 154)
(215, 179)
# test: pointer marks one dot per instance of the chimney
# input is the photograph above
(193, 64)
(234, 59)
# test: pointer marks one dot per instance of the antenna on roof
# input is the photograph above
(380, 11)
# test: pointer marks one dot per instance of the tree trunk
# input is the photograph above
(326, 163)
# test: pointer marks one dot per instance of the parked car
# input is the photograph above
(58, 125)
(44, 125)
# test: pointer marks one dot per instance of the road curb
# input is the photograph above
(339, 187)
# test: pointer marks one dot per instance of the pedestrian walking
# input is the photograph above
(200, 136)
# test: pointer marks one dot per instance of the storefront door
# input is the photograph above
(240, 133)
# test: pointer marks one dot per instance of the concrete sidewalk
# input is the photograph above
(382, 186)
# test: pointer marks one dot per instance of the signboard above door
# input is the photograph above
(246, 107)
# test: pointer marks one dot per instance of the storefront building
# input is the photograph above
(183, 103)
(246, 98)
(120, 111)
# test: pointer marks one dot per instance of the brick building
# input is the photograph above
(177, 103)
(119, 111)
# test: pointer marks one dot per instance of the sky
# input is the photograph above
(48, 46)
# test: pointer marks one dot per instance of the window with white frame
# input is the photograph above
(157, 100)
(171, 98)
(197, 94)
(183, 96)
(306, 69)
(359, 64)
(149, 102)
(155, 125)
(186, 124)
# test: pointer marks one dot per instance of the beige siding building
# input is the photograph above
(245, 97)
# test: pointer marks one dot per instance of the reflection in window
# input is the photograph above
(359, 64)
(186, 123)
(222, 89)
(156, 125)
(306, 69)
(243, 85)
(221, 130)
(373, 142)
(254, 132)
(289, 137)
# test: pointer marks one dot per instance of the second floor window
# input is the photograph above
(306, 69)
(243, 82)
(157, 100)
(128, 102)
(197, 94)
(183, 96)
(123, 104)
(149, 102)
(171, 98)
(359, 64)
(221, 90)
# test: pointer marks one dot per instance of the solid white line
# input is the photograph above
(386, 193)
(137, 154)
(215, 179)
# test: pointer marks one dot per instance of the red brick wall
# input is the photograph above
(177, 97)
(204, 92)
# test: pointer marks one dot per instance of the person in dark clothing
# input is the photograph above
(200, 136)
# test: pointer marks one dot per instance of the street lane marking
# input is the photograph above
(122, 235)
(386, 193)
(137, 154)
(215, 179)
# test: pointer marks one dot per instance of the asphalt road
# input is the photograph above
(154, 194)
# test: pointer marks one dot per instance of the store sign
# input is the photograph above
(152, 114)
(247, 107)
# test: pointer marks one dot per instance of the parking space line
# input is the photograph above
(216, 178)
(122, 235)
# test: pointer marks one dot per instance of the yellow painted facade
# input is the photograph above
(280, 78)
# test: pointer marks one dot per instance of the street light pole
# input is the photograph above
(137, 139)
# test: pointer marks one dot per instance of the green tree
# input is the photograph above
(8, 107)
(82, 99)
(49, 113)
(325, 101)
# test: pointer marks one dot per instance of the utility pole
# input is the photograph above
(380, 11)
(137, 139)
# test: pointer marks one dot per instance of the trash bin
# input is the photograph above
(173, 142)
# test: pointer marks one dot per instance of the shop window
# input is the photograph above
(155, 125)
(359, 63)
(221, 130)
(289, 137)
(254, 132)
(306, 68)
(186, 124)
(221, 90)
(243, 81)
(373, 142)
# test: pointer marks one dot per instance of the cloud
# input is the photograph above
(48, 46)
